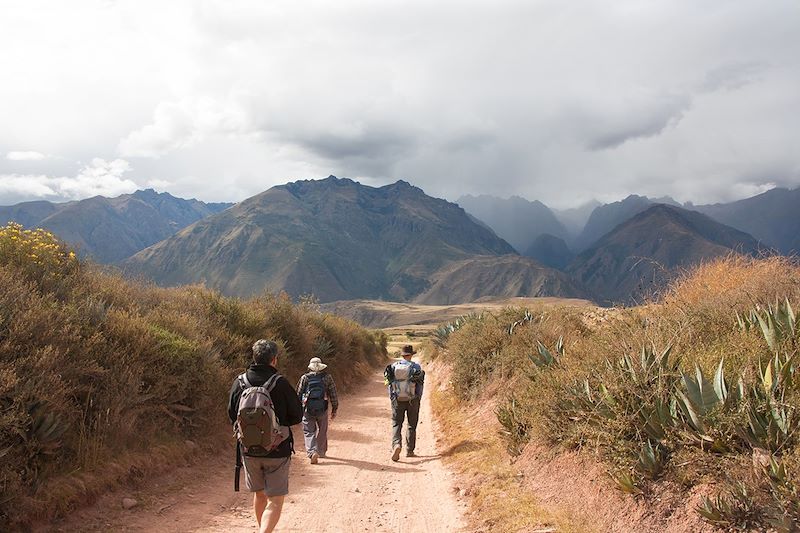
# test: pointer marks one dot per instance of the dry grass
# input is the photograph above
(382, 314)
(102, 378)
(696, 317)
(498, 501)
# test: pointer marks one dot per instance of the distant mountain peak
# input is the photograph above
(111, 229)
(403, 186)
(336, 242)
(515, 219)
(639, 256)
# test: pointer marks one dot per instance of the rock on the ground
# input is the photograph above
(129, 503)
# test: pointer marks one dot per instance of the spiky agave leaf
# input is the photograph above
(688, 408)
(651, 460)
(560, 346)
(626, 483)
(656, 420)
(700, 392)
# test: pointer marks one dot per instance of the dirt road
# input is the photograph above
(356, 488)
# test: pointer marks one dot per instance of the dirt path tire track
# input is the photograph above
(356, 488)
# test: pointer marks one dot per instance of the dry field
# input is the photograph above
(393, 315)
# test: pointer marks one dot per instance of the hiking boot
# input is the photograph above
(410, 453)
(396, 454)
(314, 458)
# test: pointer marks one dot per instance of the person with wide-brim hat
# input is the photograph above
(405, 379)
(317, 391)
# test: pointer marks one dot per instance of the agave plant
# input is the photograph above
(784, 516)
(626, 482)
(544, 357)
(324, 348)
(733, 509)
(700, 397)
(652, 460)
(657, 418)
(772, 422)
(778, 323)
(516, 428)
(748, 321)
(651, 368)
(526, 317)
(45, 430)
(443, 332)
(772, 427)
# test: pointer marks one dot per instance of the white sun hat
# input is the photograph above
(316, 365)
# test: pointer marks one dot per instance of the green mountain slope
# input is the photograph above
(334, 238)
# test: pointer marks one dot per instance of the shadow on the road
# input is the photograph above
(351, 435)
(422, 459)
(369, 410)
(462, 447)
(366, 465)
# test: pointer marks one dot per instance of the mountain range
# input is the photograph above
(514, 219)
(772, 217)
(340, 240)
(112, 229)
(639, 256)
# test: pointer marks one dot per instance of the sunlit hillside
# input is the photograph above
(103, 381)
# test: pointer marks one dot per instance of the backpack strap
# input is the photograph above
(272, 382)
(244, 382)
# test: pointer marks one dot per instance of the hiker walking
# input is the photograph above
(262, 406)
(405, 379)
(315, 389)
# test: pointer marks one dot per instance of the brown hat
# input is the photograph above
(407, 350)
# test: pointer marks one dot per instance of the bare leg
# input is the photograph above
(259, 504)
(271, 514)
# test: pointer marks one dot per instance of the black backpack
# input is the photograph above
(315, 403)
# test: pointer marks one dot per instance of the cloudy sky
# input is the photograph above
(547, 99)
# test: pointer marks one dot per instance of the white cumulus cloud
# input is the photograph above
(180, 124)
(100, 177)
(25, 156)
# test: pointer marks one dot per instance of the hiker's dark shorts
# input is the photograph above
(270, 474)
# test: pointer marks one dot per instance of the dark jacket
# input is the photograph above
(288, 408)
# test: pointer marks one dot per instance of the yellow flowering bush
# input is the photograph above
(37, 253)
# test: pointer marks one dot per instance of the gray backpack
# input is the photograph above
(257, 427)
(402, 386)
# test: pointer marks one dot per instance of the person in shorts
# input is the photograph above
(268, 477)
